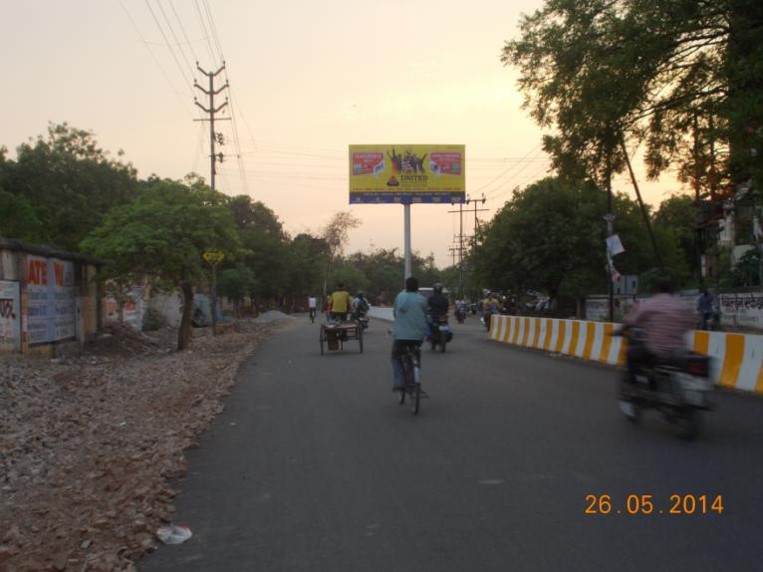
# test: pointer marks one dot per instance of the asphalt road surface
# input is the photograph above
(314, 466)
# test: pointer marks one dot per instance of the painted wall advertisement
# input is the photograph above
(742, 309)
(10, 316)
(51, 299)
(407, 174)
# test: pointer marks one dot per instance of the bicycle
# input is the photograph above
(411, 358)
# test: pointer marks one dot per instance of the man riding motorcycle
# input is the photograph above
(664, 320)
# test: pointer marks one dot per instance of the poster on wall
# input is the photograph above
(10, 316)
(51, 299)
(407, 174)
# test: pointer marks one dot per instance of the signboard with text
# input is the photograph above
(51, 300)
(407, 174)
(10, 316)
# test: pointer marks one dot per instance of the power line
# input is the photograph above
(182, 29)
(206, 34)
(508, 169)
(169, 46)
(174, 36)
(156, 61)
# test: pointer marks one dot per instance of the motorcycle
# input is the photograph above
(440, 334)
(362, 319)
(460, 315)
(677, 387)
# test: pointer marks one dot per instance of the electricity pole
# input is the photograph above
(460, 212)
(212, 110)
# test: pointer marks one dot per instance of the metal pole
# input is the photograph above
(460, 249)
(407, 238)
(214, 300)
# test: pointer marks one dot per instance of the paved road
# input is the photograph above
(314, 467)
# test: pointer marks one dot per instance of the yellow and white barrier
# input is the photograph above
(737, 358)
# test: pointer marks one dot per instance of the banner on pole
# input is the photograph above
(407, 174)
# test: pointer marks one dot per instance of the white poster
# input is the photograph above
(10, 316)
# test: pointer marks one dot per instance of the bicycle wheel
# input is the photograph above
(321, 338)
(415, 374)
(415, 398)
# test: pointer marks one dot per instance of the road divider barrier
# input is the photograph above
(737, 358)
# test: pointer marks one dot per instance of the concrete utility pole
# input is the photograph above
(212, 110)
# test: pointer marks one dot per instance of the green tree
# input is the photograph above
(677, 217)
(265, 249)
(682, 76)
(160, 238)
(69, 181)
(18, 219)
(236, 283)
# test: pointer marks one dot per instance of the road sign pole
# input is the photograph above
(214, 300)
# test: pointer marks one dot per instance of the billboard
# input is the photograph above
(407, 174)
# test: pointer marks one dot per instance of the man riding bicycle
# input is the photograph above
(409, 328)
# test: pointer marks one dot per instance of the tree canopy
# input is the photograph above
(682, 76)
(161, 236)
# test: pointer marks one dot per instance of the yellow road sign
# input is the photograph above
(214, 256)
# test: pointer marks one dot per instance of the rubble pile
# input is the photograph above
(89, 445)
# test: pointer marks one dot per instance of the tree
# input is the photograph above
(265, 248)
(69, 181)
(160, 237)
(18, 219)
(682, 76)
(336, 234)
(677, 217)
(550, 237)
(236, 283)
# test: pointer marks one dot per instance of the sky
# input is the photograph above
(306, 80)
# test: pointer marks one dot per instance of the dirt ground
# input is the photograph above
(88, 444)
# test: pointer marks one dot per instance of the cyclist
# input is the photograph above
(409, 328)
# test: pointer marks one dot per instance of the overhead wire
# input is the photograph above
(534, 149)
(156, 61)
(174, 37)
(188, 83)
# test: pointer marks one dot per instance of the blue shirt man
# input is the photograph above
(410, 311)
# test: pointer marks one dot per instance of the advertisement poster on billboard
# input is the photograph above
(10, 316)
(51, 300)
(407, 174)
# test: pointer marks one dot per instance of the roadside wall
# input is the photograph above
(49, 299)
(737, 358)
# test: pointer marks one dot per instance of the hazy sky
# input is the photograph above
(307, 79)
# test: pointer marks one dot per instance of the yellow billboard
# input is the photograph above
(407, 174)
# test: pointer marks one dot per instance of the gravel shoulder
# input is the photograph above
(89, 444)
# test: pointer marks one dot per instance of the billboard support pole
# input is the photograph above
(407, 239)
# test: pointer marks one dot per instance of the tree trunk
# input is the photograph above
(184, 333)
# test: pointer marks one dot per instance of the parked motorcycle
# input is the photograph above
(441, 333)
(677, 388)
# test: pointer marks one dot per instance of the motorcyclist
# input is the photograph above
(360, 306)
(664, 320)
(437, 305)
